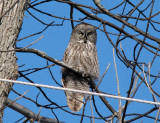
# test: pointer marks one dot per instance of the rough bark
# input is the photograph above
(11, 17)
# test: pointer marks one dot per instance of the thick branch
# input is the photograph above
(44, 55)
(28, 113)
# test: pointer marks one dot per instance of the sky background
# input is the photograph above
(54, 43)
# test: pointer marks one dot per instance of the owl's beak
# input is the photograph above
(85, 39)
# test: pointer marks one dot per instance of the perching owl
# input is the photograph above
(81, 54)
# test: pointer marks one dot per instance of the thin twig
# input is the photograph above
(148, 85)
(91, 108)
(37, 116)
(103, 75)
(16, 99)
(34, 42)
(119, 118)
(157, 115)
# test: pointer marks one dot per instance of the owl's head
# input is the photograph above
(84, 33)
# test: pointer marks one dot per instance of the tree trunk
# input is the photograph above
(12, 13)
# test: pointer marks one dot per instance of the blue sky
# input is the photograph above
(54, 43)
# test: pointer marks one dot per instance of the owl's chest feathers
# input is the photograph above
(82, 54)
(83, 49)
(83, 57)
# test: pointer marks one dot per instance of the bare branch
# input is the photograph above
(28, 113)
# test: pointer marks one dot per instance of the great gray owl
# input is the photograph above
(81, 54)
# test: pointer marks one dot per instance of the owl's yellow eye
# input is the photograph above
(80, 34)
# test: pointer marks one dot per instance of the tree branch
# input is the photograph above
(97, 3)
(28, 113)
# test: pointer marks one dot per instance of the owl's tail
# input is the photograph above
(75, 100)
